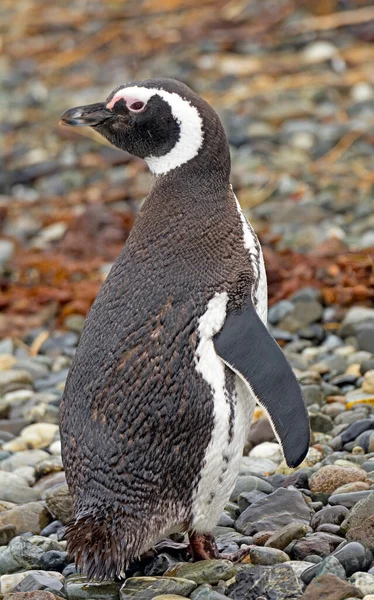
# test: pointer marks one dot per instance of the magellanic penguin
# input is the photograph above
(175, 351)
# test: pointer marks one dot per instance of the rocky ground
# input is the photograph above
(295, 90)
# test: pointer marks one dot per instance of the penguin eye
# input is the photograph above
(137, 106)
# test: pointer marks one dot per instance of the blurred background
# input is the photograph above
(293, 82)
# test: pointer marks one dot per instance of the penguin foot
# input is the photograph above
(203, 547)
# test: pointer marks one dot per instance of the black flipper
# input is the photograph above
(247, 347)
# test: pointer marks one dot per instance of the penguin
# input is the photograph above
(175, 351)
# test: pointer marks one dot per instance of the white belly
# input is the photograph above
(224, 453)
(222, 461)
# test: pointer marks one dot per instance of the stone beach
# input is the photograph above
(297, 101)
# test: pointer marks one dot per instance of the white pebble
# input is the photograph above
(362, 92)
(319, 51)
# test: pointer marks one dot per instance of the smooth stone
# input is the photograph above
(355, 429)
(349, 500)
(359, 524)
(329, 528)
(37, 435)
(14, 489)
(22, 459)
(258, 467)
(365, 338)
(352, 556)
(368, 383)
(205, 592)
(78, 588)
(249, 483)
(7, 533)
(161, 563)
(54, 560)
(365, 441)
(366, 365)
(234, 537)
(37, 581)
(363, 581)
(14, 379)
(60, 503)
(299, 566)
(355, 486)
(330, 587)
(248, 498)
(320, 422)
(332, 565)
(9, 582)
(304, 313)
(225, 520)
(312, 394)
(26, 473)
(257, 581)
(19, 554)
(321, 544)
(329, 478)
(280, 310)
(203, 571)
(260, 431)
(31, 517)
(269, 450)
(146, 588)
(273, 512)
(354, 319)
(48, 482)
(267, 556)
(44, 543)
(48, 466)
(286, 534)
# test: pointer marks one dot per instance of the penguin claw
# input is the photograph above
(203, 547)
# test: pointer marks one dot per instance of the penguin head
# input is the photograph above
(160, 120)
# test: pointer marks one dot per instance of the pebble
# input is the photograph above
(8, 583)
(359, 524)
(350, 499)
(204, 571)
(203, 592)
(363, 581)
(267, 450)
(78, 588)
(14, 380)
(14, 488)
(330, 587)
(256, 581)
(331, 477)
(20, 554)
(22, 459)
(276, 510)
(286, 535)
(267, 556)
(59, 502)
(31, 517)
(38, 435)
(145, 587)
(249, 483)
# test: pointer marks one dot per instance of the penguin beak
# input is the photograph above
(92, 114)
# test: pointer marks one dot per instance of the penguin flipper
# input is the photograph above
(245, 345)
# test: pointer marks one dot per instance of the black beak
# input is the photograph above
(91, 115)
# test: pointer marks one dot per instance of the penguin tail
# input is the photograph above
(97, 549)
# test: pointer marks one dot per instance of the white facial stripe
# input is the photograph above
(190, 122)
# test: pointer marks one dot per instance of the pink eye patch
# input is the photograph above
(132, 103)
